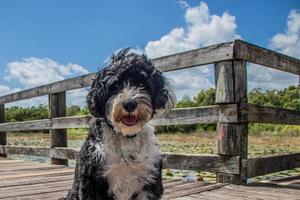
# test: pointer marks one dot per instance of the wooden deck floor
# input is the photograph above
(28, 180)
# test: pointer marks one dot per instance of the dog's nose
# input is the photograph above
(130, 105)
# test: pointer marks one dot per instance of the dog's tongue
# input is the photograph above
(130, 121)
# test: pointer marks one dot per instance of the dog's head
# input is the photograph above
(129, 92)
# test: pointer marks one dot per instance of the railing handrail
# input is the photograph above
(232, 112)
(236, 50)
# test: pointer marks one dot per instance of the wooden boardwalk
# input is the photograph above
(28, 180)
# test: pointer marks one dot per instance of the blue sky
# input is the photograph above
(45, 41)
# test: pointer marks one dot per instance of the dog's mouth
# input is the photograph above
(129, 120)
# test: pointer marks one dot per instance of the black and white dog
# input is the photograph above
(120, 159)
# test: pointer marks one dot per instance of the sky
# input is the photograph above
(46, 41)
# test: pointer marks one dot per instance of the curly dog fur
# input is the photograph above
(120, 159)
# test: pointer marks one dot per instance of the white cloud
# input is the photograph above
(187, 81)
(289, 41)
(77, 97)
(268, 78)
(4, 89)
(201, 29)
(32, 72)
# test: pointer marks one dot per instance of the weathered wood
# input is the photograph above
(231, 87)
(71, 122)
(2, 133)
(56, 87)
(52, 182)
(183, 60)
(224, 82)
(211, 163)
(199, 115)
(255, 54)
(271, 164)
(55, 152)
(272, 115)
(57, 108)
(197, 57)
(206, 114)
(43, 124)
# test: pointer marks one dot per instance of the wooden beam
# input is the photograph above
(2, 133)
(211, 163)
(177, 61)
(55, 152)
(231, 87)
(206, 114)
(272, 115)
(56, 87)
(271, 164)
(197, 57)
(199, 115)
(255, 54)
(57, 108)
(42, 124)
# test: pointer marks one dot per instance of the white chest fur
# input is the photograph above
(129, 162)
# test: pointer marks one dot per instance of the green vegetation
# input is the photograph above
(286, 98)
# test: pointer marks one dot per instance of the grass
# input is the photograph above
(193, 143)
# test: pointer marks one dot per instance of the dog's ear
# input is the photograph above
(96, 98)
(165, 98)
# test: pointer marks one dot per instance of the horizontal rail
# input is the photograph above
(206, 114)
(212, 163)
(255, 54)
(271, 115)
(271, 164)
(183, 116)
(177, 61)
(238, 49)
(56, 87)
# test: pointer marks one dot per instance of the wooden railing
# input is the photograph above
(232, 113)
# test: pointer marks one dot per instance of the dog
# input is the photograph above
(120, 159)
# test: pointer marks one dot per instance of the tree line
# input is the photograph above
(285, 98)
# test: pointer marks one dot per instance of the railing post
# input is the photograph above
(231, 87)
(2, 134)
(57, 108)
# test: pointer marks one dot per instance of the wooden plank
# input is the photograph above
(50, 195)
(71, 122)
(175, 161)
(271, 164)
(56, 87)
(197, 57)
(271, 115)
(58, 137)
(224, 82)
(206, 114)
(187, 192)
(42, 124)
(30, 190)
(255, 54)
(56, 152)
(2, 133)
(177, 61)
(34, 180)
(199, 115)
(231, 87)
(64, 171)
(211, 163)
